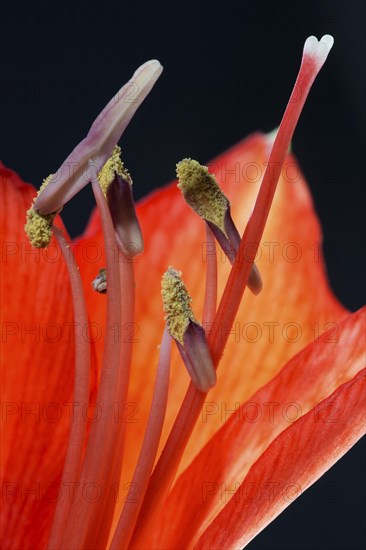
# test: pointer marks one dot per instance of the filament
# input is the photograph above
(73, 460)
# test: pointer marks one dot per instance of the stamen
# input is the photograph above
(112, 167)
(101, 526)
(186, 331)
(98, 145)
(100, 282)
(176, 302)
(140, 481)
(197, 358)
(255, 283)
(167, 466)
(209, 308)
(78, 426)
(203, 194)
(38, 227)
(116, 183)
(103, 434)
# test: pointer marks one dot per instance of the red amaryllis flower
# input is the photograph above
(83, 401)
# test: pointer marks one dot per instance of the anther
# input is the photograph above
(203, 194)
(116, 184)
(114, 166)
(38, 227)
(102, 137)
(189, 335)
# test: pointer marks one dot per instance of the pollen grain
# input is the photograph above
(202, 192)
(38, 227)
(113, 166)
(176, 300)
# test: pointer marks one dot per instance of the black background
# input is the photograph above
(229, 68)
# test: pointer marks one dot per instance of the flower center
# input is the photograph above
(85, 524)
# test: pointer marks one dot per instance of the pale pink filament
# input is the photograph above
(73, 460)
(101, 442)
(148, 451)
(100, 534)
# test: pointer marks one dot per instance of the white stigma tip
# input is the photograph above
(310, 45)
(318, 50)
(328, 40)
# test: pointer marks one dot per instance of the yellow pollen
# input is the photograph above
(202, 192)
(39, 227)
(176, 302)
(113, 166)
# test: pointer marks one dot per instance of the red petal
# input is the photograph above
(309, 378)
(294, 461)
(37, 371)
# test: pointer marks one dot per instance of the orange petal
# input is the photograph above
(37, 371)
(294, 461)
(309, 378)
